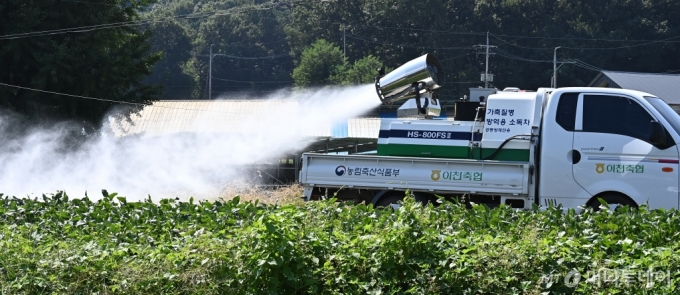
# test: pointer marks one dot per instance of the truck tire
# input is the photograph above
(391, 200)
(615, 201)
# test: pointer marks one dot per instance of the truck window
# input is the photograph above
(616, 115)
(666, 111)
(566, 111)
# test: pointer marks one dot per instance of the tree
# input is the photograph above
(106, 63)
(252, 52)
(318, 64)
(171, 39)
(362, 71)
(327, 20)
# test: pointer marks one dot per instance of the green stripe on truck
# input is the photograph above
(455, 152)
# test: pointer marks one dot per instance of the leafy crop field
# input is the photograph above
(59, 245)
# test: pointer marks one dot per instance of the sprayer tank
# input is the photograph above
(506, 115)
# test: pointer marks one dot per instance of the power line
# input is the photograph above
(573, 38)
(667, 40)
(245, 57)
(108, 100)
(142, 104)
(583, 65)
(224, 86)
(450, 58)
(575, 62)
(407, 46)
(110, 4)
(506, 42)
(422, 30)
(267, 6)
(249, 87)
(512, 56)
(256, 82)
(82, 29)
(517, 36)
(85, 28)
(256, 44)
(248, 91)
(72, 95)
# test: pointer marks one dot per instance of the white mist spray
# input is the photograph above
(193, 163)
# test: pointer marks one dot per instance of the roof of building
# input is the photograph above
(665, 86)
(233, 116)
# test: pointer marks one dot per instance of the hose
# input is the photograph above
(503, 144)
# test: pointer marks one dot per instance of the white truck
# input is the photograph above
(565, 146)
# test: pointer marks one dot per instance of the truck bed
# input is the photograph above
(445, 176)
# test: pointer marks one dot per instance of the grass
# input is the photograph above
(291, 194)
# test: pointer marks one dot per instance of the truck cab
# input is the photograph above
(615, 144)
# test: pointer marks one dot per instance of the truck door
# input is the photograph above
(614, 153)
(556, 181)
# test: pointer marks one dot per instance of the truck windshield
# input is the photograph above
(666, 111)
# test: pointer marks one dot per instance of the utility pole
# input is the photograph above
(554, 81)
(210, 74)
(210, 70)
(486, 71)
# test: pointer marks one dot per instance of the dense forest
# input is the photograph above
(263, 43)
(129, 47)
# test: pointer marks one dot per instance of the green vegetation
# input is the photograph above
(612, 35)
(106, 63)
(59, 245)
(319, 64)
(361, 72)
(323, 64)
(258, 46)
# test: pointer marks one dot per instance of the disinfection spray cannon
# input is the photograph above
(416, 81)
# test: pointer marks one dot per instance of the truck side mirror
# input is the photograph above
(658, 134)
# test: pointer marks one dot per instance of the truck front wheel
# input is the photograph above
(391, 200)
(614, 201)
